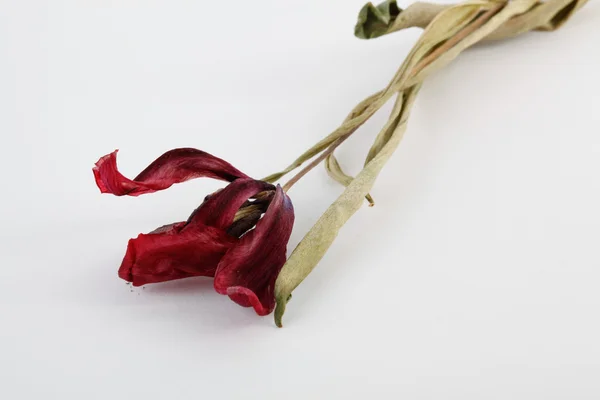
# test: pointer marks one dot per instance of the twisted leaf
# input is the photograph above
(450, 30)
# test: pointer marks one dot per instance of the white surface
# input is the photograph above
(476, 276)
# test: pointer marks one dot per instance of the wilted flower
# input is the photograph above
(238, 235)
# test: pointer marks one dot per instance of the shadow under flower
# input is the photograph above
(181, 286)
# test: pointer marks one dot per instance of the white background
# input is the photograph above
(476, 276)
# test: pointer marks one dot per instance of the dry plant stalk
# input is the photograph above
(449, 30)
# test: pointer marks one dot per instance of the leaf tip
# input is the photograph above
(279, 310)
(370, 200)
(374, 21)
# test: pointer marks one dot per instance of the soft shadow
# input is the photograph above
(184, 307)
(193, 305)
(180, 286)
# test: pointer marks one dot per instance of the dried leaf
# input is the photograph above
(387, 17)
(376, 21)
(334, 170)
(449, 32)
(317, 241)
(544, 16)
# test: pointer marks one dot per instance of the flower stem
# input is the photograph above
(482, 19)
(314, 163)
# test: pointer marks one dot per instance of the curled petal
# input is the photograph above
(173, 253)
(220, 208)
(175, 166)
(248, 271)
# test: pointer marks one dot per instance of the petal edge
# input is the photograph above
(174, 166)
(248, 271)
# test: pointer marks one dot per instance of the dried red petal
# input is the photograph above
(172, 252)
(220, 208)
(174, 166)
(248, 271)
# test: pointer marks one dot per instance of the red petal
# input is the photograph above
(172, 253)
(175, 166)
(248, 271)
(220, 208)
